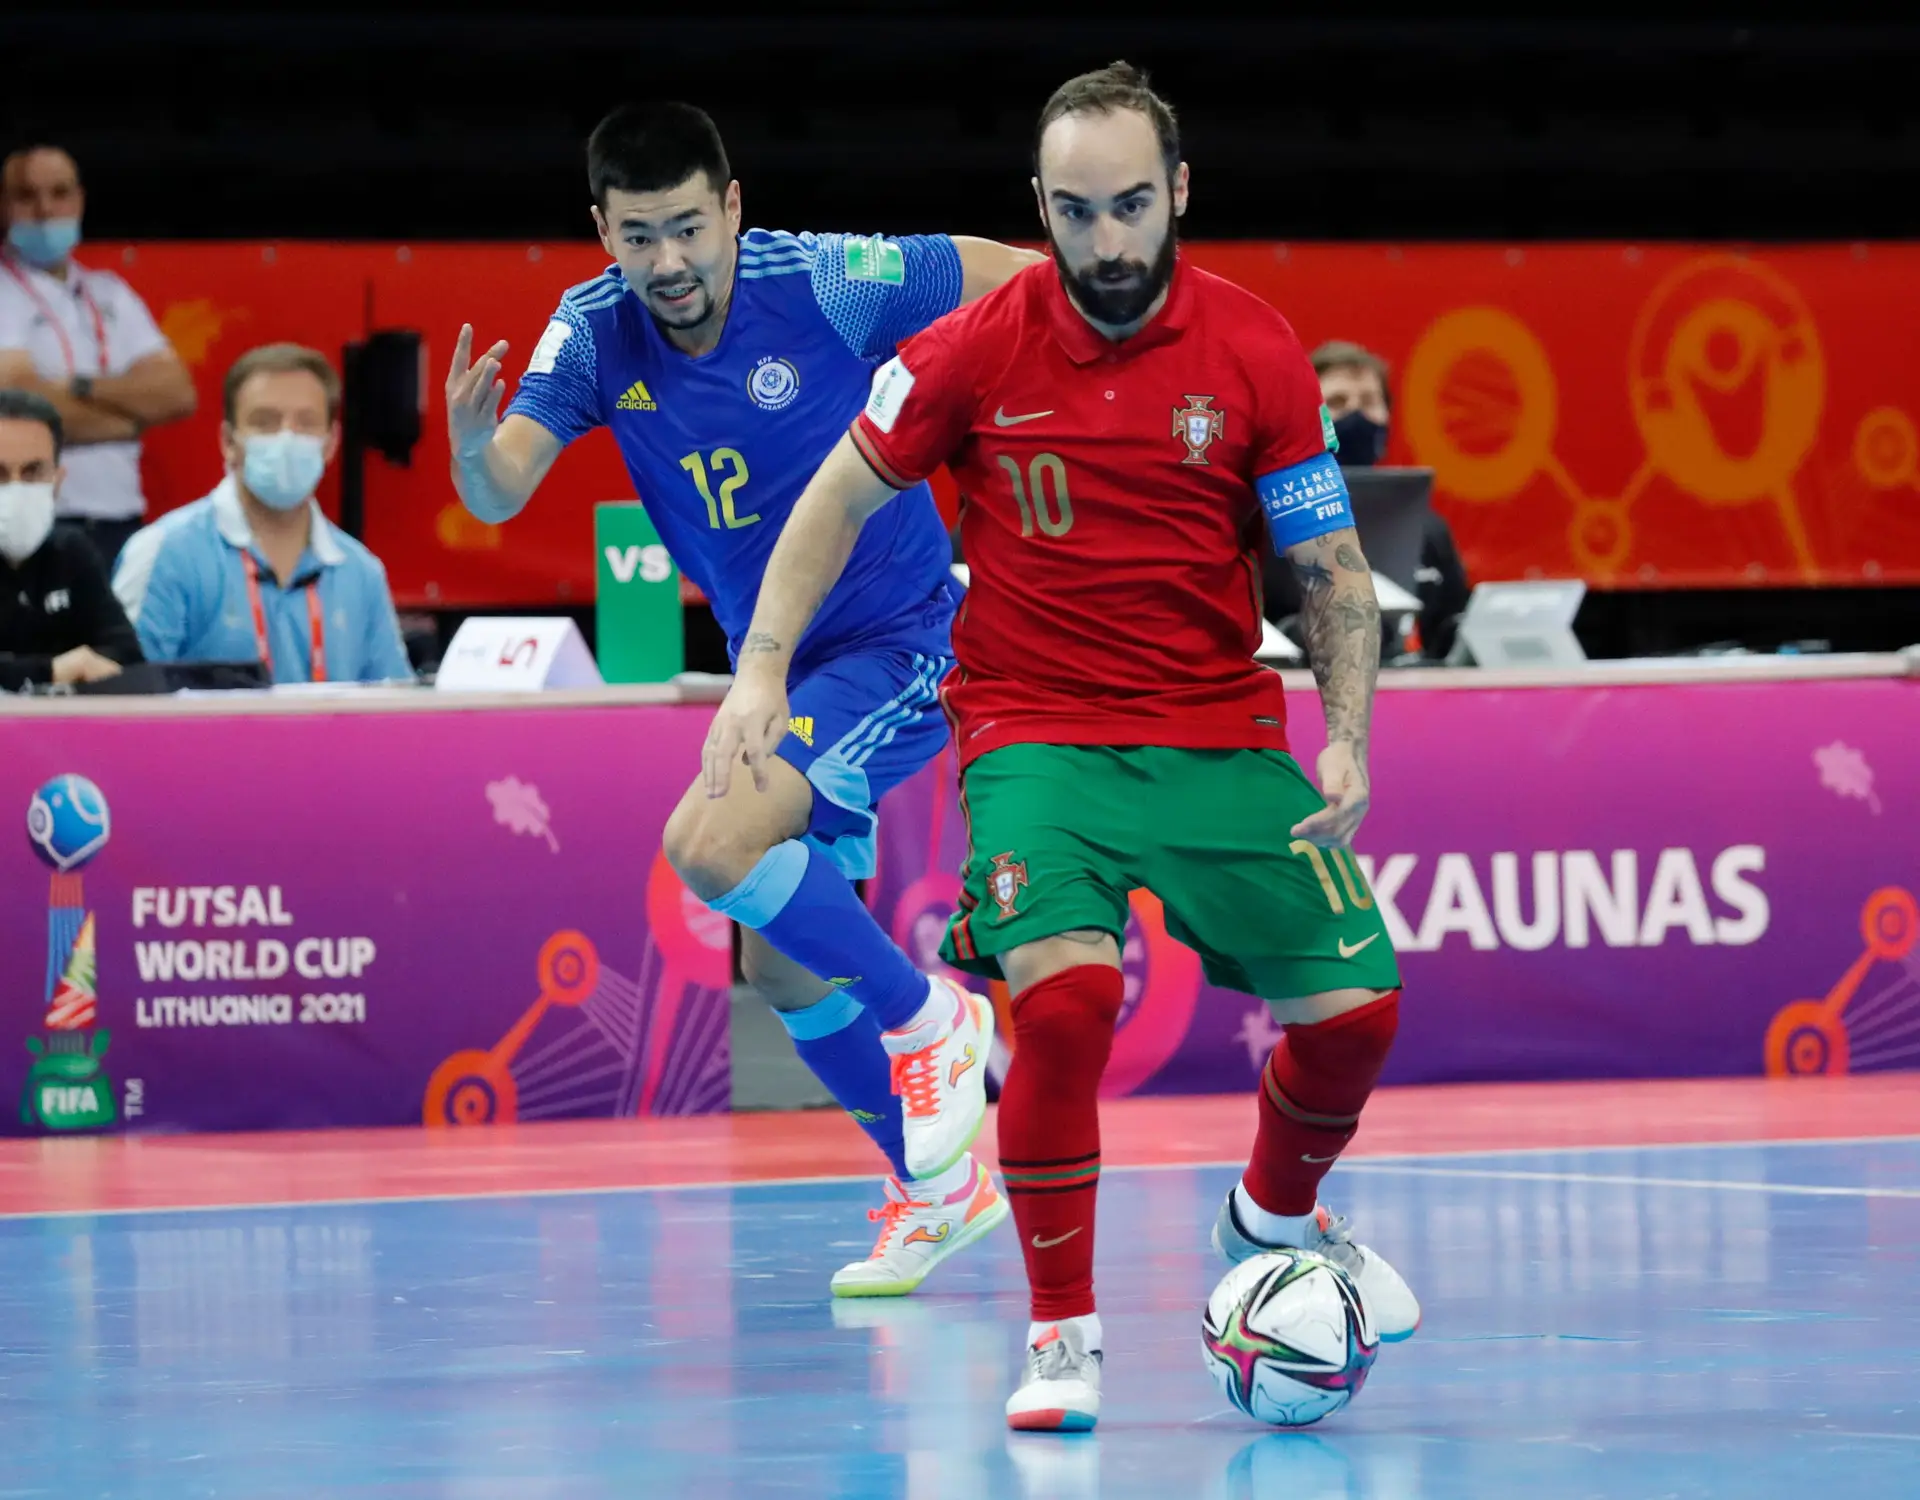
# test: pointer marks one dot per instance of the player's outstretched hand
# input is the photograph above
(1343, 782)
(750, 725)
(474, 391)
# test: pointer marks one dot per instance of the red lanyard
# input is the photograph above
(315, 619)
(53, 320)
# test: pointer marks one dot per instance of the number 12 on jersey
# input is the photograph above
(721, 460)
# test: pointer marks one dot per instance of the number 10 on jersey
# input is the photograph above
(1053, 512)
(731, 470)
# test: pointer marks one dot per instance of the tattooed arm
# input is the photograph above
(1340, 619)
(806, 563)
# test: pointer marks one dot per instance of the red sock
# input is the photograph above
(1050, 1130)
(1311, 1094)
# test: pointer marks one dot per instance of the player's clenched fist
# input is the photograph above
(474, 392)
(750, 725)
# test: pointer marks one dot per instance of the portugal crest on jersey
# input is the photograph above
(1004, 882)
(1197, 424)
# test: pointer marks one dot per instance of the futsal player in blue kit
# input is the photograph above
(727, 366)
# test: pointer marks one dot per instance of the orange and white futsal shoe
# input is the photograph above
(940, 1076)
(919, 1230)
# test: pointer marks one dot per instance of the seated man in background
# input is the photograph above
(82, 338)
(1353, 388)
(254, 571)
(59, 621)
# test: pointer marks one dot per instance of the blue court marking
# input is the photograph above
(1631, 1322)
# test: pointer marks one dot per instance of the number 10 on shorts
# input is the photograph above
(1350, 876)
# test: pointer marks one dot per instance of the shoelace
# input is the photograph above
(895, 1210)
(1056, 1360)
(1336, 1243)
(917, 1081)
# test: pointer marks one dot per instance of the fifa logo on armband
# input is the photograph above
(1197, 424)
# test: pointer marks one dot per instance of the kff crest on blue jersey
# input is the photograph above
(774, 383)
(720, 446)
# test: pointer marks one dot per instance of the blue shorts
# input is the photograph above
(862, 724)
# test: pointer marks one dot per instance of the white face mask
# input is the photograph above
(283, 469)
(26, 518)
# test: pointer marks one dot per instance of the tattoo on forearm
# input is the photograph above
(1340, 620)
(759, 643)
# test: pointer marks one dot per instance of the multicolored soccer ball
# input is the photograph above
(1287, 1337)
(67, 821)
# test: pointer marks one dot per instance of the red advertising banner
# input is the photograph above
(1634, 416)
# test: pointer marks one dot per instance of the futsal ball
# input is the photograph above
(67, 821)
(1287, 1337)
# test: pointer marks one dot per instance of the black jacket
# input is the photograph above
(57, 599)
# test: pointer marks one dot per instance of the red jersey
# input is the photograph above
(1108, 511)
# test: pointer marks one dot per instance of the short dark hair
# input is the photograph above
(281, 359)
(26, 406)
(1343, 354)
(1118, 86)
(647, 148)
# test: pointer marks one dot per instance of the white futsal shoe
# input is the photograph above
(1062, 1390)
(1396, 1312)
(940, 1074)
(917, 1233)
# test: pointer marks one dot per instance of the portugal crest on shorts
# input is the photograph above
(1004, 882)
(1197, 424)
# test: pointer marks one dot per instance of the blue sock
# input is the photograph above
(840, 1041)
(797, 901)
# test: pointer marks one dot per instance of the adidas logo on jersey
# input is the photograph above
(802, 730)
(637, 398)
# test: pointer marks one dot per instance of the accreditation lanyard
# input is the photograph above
(53, 320)
(316, 620)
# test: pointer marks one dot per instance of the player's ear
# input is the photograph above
(600, 228)
(733, 205)
(1040, 202)
(1180, 184)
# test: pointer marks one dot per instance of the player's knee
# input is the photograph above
(709, 850)
(1069, 1007)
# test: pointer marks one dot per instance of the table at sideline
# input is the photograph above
(381, 906)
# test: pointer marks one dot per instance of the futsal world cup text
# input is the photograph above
(244, 960)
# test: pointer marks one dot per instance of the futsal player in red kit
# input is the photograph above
(1118, 423)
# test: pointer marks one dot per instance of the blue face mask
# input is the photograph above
(44, 242)
(283, 469)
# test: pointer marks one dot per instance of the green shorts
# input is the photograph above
(1059, 835)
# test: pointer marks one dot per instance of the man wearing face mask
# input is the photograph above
(254, 570)
(1353, 388)
(84, 340)
(59, 622)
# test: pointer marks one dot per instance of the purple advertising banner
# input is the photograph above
(1683, 879)
(232, 921)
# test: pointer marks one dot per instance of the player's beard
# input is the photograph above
(1119, 303)
(686, 315)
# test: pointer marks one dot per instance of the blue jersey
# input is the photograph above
(721, 445)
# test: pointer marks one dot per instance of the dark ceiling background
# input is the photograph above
(914, 116)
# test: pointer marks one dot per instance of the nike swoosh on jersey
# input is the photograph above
(1320, 1160)
(1349, 950)
(1001, 419)
(1040, 1244)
